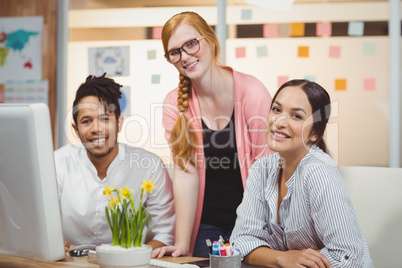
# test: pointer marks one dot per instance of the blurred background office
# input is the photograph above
(352, 48)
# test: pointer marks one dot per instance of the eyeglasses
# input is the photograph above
(190, 47)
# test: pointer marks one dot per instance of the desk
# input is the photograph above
(14, 262)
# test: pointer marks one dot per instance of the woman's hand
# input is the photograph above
(304, 258)
(174, 251)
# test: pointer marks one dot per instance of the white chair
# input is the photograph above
(377, 199)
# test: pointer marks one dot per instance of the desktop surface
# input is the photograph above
(12, 261)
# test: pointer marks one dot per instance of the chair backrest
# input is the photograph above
(376, 194)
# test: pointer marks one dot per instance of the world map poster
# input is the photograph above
(20, 48)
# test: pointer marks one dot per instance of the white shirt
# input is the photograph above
(81, 193)
(316, 213)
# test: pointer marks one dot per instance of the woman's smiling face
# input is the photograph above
(290, 122)
(196, 65)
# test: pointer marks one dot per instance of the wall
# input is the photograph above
(47, 9)
(360, 115)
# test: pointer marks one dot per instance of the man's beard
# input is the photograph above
(100, 155)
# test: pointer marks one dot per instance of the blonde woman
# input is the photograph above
(214, 122)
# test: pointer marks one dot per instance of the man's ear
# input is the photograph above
(75, 129)
(120, 122)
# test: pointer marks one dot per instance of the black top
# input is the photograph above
(223, 184)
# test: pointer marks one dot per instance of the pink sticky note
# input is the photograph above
(369, 84)
(270, 30)
(157, 32)
(282, 80)
(240, 52)
(334, 51)
(324, 28)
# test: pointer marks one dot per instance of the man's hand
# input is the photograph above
(66, 247)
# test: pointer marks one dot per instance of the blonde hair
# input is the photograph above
(183, 140)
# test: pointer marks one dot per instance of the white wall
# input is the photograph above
(358, 133)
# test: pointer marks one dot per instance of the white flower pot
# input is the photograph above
(110, 256)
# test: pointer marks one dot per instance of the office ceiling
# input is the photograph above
(94, 4)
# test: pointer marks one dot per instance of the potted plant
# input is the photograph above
(127, 225)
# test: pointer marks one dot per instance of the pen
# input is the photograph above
(221, 240)
(228, 249)
(222, 250)
(215, 248)
(209, 245)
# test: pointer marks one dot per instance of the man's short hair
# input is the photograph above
(105, 89)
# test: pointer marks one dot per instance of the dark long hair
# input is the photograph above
(320, 102)
(105, 89)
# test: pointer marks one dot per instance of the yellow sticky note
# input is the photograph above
(340, 84)
(297, 29)
(303, 52)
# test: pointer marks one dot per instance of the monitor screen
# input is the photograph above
(30, 222)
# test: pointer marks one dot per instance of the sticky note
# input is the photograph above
(283, 30)
(262, 51)
(246, 14)
(356, 28)
(297, 29)
(240, 52)
(334, 51)
(369, 49)
(303, 51)
(157, 33)
(151, 54)
(369, 84)
(310, 78)
(323, 29)
(156, 79)
(282, 80)
(340, 84)
(270, 30)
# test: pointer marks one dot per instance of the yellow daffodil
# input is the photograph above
(125, 192)
(126, 222)
(147, 186)
(108, 190)
(113, 202)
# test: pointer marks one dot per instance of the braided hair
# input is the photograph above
(182, 140)
(105, 89)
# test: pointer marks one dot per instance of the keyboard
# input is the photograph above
(165, 264)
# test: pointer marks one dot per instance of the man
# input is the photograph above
(83, 171)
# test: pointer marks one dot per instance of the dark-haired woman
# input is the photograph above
(296, 211)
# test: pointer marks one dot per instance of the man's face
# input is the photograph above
(97, 127)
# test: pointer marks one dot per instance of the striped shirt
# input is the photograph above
(316, 213)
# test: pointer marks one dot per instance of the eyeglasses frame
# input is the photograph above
(182, 49)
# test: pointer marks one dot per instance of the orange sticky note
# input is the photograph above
(157, 33)
(297, 29)
(282, 80)
(240, 52)
(340, 84)
(369, 84)
(270, 30)
(334, 51)
(303, 52)
(323, 29)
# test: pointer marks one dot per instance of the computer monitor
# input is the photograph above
(30, 222)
